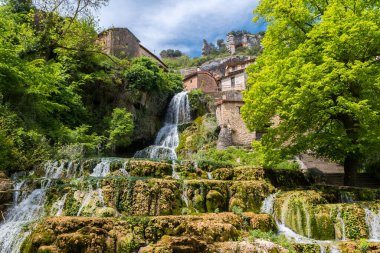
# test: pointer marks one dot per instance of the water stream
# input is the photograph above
(268, 207)
(373, 222)
(30, 206)
(167, 139)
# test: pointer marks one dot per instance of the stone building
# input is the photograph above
(121, 42)
(235, 76)
(233, 132)
(201, 80)
(243, 39)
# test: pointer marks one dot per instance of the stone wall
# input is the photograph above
(201, 80)
(119, 42)
(228, 116)
(239, 82)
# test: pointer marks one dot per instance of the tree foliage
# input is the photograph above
(170, 53)
(48, 65)
(121, 128)
(320, 74)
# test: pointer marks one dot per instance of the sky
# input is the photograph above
(179, 24)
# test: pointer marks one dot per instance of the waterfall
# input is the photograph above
(209, 175)
(372, 220)
(60, 205)
(345, 197)
(174, 172)
(102, 169)
(124, 170)
(185, 198)
(17, 191)
(340, 219)
(167, 139)
(31, 208)
(86, 200)
(267, 206)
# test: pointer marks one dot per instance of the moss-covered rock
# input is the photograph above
(78, 234)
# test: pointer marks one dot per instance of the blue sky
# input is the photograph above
(179, 24)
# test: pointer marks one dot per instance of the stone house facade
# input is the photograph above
(121, 42)
(201, 80)
(233, 132)
(235, 76)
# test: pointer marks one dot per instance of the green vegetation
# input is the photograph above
(319, 73)
(121, 128)
(51, 69)
(271, 236)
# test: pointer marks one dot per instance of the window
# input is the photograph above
(191, 81)
(233, 82)
(239, 109)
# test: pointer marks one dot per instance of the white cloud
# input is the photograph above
(178, 24)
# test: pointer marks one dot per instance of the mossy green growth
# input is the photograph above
(214, 200)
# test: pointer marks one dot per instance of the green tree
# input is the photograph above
(319, 73)
(121, 128)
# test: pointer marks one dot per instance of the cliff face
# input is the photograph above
(218, 66)
(148, 110)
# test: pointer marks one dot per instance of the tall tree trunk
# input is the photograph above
(351, 166)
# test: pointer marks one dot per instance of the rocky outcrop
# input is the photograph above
(148, 109)
(218, 66)
(224, 138)
(164, 233)
(5, 193)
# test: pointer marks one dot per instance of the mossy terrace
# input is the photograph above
(139, 205)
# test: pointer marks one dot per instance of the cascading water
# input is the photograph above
(209, 175)
(340, 219)
(29, 207)
(372, 220)
(167, 139)
(268, 208)
(12, 232)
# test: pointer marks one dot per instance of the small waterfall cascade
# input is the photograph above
(102, 169)
(29, 203)
(345, 197)
(59, 205)
(124, 170)
(17, 191)
(86, 200)
(209, 175)
(268, 208)
(185, 198)
(31, 208)
(372, 220)
(341, 221)
(174, 171)
(167, 139)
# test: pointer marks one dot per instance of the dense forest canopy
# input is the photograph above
(319, 73)
(50, 60)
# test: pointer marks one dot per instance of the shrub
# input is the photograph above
(121, 128)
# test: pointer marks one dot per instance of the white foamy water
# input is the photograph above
(102, 169)
(343, 226)
(167, 139)
(372, 220)
(209, 175)
(268, 203)
(268, 207)
(60, 205)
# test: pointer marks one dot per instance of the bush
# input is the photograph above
(121, 128)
